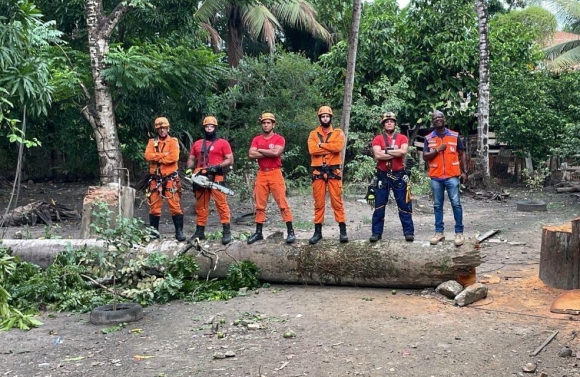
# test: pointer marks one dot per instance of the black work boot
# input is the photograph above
(154, 223)
(317, 236)
(199, 233)
(256, 236)
(226, 234)
(178, 223)
(343, 236)
(375, 237)
(291, 237)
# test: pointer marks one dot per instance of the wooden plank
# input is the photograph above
(486, 235)
(541, 347)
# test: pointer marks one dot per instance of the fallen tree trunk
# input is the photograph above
(560, 255)
(388, 263)
(42, 252)
(568, 189)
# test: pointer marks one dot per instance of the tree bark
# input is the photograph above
(388, 263)
(235, 36)
(99, 111)
(560, 256)
(482, 164)
(350, 70)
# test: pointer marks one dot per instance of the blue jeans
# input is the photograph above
(399, 188)
(438, 188)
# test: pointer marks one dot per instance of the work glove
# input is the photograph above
(188, 173)
(214, 169)
(370, 196)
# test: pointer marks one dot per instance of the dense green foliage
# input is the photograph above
(68, 284)
(532, 108)
(409, 61)
(11, 316)
(24, 65)
(79, 280)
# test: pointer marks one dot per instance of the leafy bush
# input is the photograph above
(362, 169)
(10, 315)
(81, 279)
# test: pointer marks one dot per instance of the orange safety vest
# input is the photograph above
(446, 164)
(333, 143)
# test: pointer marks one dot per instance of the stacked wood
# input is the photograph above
(490, 195)
(560, 255)
(39, 212)
(567, 186)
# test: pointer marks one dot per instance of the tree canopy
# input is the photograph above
(159, 62)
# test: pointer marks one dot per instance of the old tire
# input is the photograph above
(125, 312)
(531, 205)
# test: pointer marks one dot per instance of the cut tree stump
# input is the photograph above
(560, 255)
(387, 263)
(120, 200)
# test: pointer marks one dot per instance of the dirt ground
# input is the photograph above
(339, 331)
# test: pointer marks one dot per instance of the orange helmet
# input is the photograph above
(389, 115)
(210, 120)
(161, 122)
(267, 116)
(325, 110)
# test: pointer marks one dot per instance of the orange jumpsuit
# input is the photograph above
(164, 181)
(270, 180)
(325, 154)
(213, 154)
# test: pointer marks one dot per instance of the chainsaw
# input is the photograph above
(203, 182)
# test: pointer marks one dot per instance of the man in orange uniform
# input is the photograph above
(445, 153)
(210, 156)
(162, 152)
(325, 145)
(267, 149)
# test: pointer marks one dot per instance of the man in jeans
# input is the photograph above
(445, 153)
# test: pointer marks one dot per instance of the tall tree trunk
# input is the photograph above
(100, 112)
(482, 163)
(235, 36)
(350, 70)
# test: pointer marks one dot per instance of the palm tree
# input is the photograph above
(567, 12)
(259, 19)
